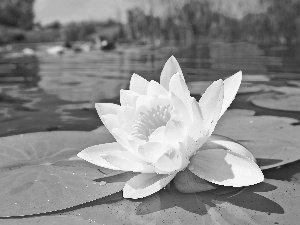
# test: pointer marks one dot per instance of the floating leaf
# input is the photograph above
(270, 202)
(65, 220)
(251, 88)
(282, 98)
(255, 77)
(286, 90)
(288, 172)
(285, 102)
(40, 172)
(272, 140)
(294, 82)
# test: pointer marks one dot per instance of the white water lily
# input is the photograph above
(160, 130)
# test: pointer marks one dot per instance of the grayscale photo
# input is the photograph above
(159, 112)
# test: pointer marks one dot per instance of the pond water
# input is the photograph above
(45, 92)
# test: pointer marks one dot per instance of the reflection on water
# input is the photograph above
(46, 92)
(18, 68)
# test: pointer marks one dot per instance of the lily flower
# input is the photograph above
(160, 130)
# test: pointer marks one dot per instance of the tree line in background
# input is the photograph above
(17, 13)
(193, 20)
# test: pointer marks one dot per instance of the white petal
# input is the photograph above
(138, 84)
(196, 130)
(110, 121)
(178, 86)
(156, 89)
(196, 110)
(180, 108)
(106, 108)
(231, 86)
(127, 127)
(216, 115)
(126, 161)
(157, 135)
(144, 185)
(152, 151)
(93, 154)
(175, 130)
(126, 114)
(129, 142)
(210, 101)
(145, 103)
(128, 97)
(221, 142)
(171, 67)
(122, 137)
(172, 161)
(196, 137)
(180, 89)
(135, 143)
(226, 168)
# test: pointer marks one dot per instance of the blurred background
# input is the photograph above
(150, 21)
(59, 57)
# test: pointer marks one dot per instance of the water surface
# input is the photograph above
(58, 92)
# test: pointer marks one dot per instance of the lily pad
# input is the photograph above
(40, 172)
(251, 88)
(49, 220)
(274, 141)
(289, 172)
(270, 202)
(294, 82)
(284, 102)
(255, 77)
(286, 90)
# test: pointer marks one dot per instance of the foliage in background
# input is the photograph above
(197, 19)
(86, 31)
(189, 21)
(17, 13)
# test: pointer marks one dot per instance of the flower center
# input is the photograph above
(148, 122)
